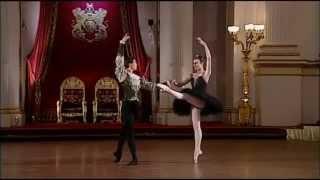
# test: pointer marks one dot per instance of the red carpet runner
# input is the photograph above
(210, 129)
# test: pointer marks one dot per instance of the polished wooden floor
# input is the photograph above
(162, 158)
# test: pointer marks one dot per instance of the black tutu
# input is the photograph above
(212, 104)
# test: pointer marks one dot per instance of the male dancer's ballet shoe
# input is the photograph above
(133, 163)
(117, 157)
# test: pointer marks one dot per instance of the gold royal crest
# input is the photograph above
(89, 25)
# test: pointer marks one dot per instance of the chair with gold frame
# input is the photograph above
(106, 99)
(72, 101)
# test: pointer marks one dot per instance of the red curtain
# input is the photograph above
(75, 57)
(130, 24)
(37, 60)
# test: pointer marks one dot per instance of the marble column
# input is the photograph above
(176, 21)
(11, 98)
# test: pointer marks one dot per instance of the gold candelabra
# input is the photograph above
(253, 34)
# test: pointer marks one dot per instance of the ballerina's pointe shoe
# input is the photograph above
(195, 157)
(163, 87)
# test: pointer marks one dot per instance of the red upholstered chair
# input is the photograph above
(72, 99)
(106, 99)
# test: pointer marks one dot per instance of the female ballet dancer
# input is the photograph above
(196, 99)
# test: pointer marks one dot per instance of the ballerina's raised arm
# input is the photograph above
(207, 72)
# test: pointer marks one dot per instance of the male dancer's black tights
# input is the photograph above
(128, 112)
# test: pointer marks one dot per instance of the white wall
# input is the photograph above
(311, 99)
(294, 22)
(276, 111)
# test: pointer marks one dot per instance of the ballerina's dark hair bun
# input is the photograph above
(198, 56)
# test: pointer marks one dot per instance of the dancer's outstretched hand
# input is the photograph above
(201, 41)
(174, 85)
(125, 38)
(159, 85)
(174, 82)
(168, 83)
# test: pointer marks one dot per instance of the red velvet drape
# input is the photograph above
(72, 57)
(75, 57)
(131, 25)
(37, 60)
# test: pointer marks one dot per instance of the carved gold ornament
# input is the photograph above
(90, 25)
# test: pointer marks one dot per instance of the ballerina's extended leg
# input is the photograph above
(197, 133)
(190, 99)
(165, 88)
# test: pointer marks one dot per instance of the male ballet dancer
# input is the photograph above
(131, 84)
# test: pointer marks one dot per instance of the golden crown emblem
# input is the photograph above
(89, 25)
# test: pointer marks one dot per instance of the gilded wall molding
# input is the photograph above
(278, 54)
(9, 107)
(265, 67)
(278, 46)
(284, 60)
(165, 110)
(11, 110)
